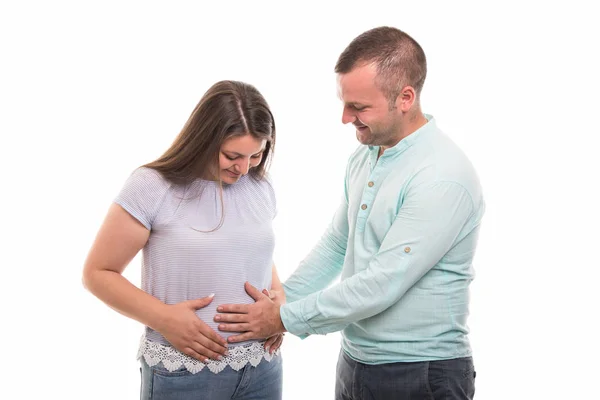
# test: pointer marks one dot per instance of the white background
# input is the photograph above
(91, 90)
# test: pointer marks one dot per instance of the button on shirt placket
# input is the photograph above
(404, 331)
(369, 192)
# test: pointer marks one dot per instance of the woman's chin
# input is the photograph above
(228, 179)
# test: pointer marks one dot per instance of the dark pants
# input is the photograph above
(429, 380)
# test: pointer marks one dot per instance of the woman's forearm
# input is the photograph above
(277, 286)
(275, 282)
(124, 297)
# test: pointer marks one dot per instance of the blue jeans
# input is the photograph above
(263, 382)
(429, 380)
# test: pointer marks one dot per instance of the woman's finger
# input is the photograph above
(210, 339)
(270, 341)
(277, 344)
(209, 344)
(188, 351)
(205, 352)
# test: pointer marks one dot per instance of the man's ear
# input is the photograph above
(406, 99)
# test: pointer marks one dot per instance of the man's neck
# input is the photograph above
(414, 124)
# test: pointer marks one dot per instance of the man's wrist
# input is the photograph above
(281, 326)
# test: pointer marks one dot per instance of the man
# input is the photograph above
(403, 240)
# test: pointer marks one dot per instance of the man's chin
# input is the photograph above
(363, 137)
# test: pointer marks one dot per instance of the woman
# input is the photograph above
(202, 216)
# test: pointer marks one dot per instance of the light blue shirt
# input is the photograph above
(403, 240)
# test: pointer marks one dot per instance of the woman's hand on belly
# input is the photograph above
(274, 342)
(188, 333)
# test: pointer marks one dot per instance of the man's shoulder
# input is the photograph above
(442, 157)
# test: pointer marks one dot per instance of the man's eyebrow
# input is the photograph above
(355, 104)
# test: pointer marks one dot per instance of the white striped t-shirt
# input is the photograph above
(181, 262)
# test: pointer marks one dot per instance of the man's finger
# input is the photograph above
(253, 292)
(243, 327)
(242, 337)
(232, 318)
(233, 308)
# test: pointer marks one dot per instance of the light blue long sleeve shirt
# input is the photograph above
(403, 240)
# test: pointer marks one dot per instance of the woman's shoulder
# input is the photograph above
(147, 173)
(150, 178)
(146, 182)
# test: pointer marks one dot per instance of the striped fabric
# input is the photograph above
(182, 259)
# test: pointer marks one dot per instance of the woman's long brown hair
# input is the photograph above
(227, 109)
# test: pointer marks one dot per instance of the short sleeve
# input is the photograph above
(143, 194)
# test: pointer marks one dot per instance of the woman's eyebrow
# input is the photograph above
(240, 154)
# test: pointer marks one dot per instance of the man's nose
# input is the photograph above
(347, 116)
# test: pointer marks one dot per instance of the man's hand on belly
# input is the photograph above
(254, 321)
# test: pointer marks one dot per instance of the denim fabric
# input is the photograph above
(263, 382)
(427, 380)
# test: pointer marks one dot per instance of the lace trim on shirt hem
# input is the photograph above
(173, 359)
